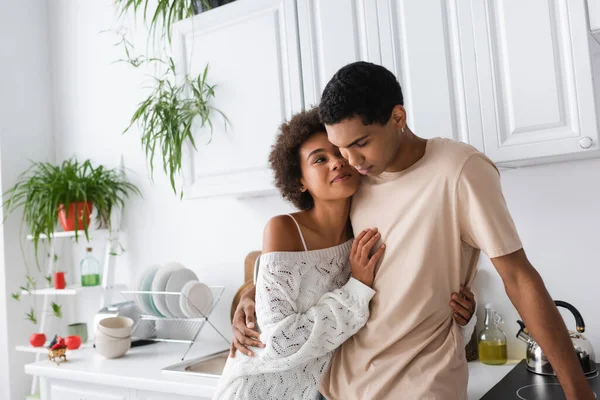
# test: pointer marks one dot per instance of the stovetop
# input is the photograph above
(521, 384)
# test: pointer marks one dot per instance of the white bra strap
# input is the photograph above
(299, 231)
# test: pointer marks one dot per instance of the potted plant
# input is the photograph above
(67, 192)
(38, 339)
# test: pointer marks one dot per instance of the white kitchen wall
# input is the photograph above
(556, 210)
(555, 206)
(94, 99)
(25, 134)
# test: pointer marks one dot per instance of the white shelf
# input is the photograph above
(44, 349)
(71, 290)
(57, 235)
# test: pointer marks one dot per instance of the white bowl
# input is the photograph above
(113, 348)
(101, 336)
(116, 327)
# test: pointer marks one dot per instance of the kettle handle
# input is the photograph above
(578, 318)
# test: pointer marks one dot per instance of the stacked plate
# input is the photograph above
(175, 292)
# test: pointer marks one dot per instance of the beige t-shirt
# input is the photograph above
(434, 217)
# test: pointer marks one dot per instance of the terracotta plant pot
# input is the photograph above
(37, 339)
(73, 342)
(67, 217)
(59, 280)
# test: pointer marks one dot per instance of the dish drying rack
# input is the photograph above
(160, 328)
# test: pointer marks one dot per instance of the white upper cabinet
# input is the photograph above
(535, 80)
(334, 33)
(252, 51)
(420, 43)
(594, 14)
(512, 78)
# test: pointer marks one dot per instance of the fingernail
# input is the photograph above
(250, 324)
(262, 345)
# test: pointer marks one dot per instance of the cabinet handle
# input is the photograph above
(585, 142)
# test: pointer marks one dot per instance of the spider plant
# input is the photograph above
(45, 187)
(166, 118)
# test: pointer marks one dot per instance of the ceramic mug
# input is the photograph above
(78, 329)
(59, 280)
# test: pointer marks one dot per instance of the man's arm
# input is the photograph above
(528, 294)
(243, 325)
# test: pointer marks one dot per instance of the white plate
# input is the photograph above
(138, 286)
(196, 300)
(175, 283)
(183, 301)
(159, 284)
(147, 287)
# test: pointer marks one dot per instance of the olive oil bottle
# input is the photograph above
(491, 340)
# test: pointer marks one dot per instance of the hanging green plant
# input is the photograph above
(168, 116)
(57, 310)
(31, 316)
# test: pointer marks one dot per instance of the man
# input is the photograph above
(437, 204)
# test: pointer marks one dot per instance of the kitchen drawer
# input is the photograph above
(144, 395)
(65, 390)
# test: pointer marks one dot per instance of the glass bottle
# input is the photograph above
(492, 340)
(90, 269)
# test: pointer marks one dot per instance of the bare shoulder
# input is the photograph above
(281, 234)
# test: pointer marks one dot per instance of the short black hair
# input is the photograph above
(285, 156)
(362, 89)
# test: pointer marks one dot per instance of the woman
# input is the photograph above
(314, 283)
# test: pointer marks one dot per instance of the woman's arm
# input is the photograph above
(276, 239)
(293, 337)
(465, 307)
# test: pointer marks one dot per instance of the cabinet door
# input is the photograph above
(334, 33)
(422, 45)
(535, 80)
(144, 395)
(252, 51)
(594, 13)
(60, 390)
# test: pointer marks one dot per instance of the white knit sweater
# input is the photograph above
(307, 305)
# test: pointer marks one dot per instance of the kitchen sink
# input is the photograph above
(210, 366)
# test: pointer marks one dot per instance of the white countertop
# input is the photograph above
(141, 368)
(483, 377)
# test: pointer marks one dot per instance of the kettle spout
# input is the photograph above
(523, 334)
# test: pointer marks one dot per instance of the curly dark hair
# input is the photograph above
(285, 156)
(361, 88)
